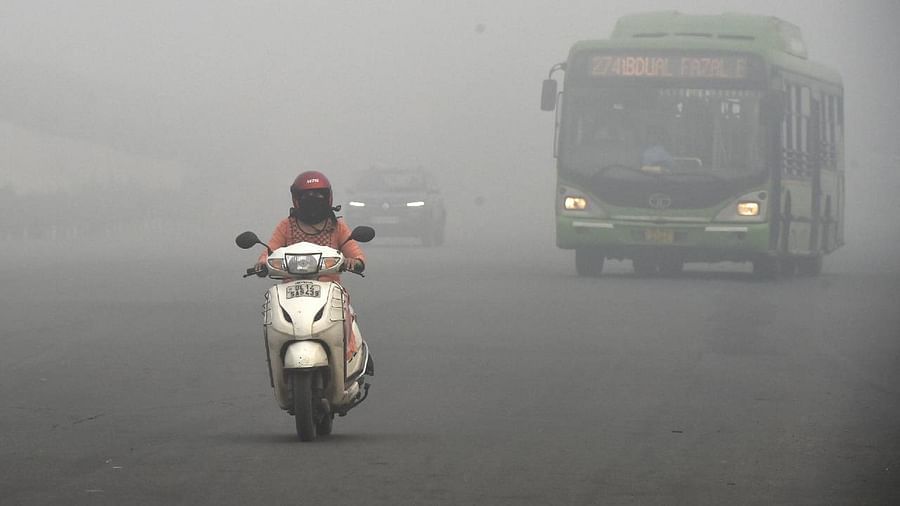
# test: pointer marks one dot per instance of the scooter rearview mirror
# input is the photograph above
(247, 240)
(362, 233)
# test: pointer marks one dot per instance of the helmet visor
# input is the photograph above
(311, 194)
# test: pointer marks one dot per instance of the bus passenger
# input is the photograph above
(655, 154)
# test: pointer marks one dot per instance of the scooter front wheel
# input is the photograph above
(304, 405)
(324, 426)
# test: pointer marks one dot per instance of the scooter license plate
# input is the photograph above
(303, 290)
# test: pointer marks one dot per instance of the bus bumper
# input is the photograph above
(698, 242)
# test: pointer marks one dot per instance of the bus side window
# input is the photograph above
(789, 136)
(805, 113)
(839, 124)
(830, 143)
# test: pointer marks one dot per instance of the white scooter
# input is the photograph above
(317, 358)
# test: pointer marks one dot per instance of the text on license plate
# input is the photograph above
(303, 290)
(659, 235)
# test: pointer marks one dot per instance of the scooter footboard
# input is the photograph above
(304, 354)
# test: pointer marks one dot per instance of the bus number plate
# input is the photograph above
(303, 290)
(659, 235)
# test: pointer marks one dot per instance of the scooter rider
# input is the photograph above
(312, 219)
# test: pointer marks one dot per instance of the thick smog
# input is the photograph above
(632, 252)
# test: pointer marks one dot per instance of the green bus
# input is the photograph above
(694, 138)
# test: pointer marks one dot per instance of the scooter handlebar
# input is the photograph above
(263, 272)
(345, 269)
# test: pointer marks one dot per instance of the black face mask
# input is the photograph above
(311, 210)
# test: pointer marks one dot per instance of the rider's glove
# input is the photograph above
(355, 265)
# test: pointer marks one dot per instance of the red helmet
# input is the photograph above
(312, 180)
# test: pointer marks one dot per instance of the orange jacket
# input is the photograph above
(336, 232)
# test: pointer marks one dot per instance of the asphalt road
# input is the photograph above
(134, 377)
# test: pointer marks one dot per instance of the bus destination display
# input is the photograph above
(668, 66)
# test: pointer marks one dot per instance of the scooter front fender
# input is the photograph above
(305, 354)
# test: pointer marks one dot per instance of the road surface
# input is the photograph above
(138, 377)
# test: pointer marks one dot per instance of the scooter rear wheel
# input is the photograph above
(304, 409)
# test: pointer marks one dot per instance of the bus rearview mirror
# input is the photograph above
(548, 95)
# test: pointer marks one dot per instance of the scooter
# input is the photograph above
(318, 361)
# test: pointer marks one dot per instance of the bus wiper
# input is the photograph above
(705, 175)
(606, 168)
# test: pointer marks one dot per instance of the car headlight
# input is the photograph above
(575, 203)
(417, 203)
(302, 264)
(748, 208)
(356, 203)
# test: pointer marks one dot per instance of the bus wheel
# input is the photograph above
(787, 266)
(644, 265)
(588, 262)
(810, 266)
(765, 268)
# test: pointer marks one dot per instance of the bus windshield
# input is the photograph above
(650, 132)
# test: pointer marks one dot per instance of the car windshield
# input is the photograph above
(626, 133)
(391, 181)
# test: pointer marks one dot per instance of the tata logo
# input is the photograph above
(313, 180)
(385, 206)
(660, 201)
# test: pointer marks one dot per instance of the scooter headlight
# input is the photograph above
(302, 264)
(329, 263)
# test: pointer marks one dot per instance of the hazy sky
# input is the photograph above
(325, 83)
(245, 94)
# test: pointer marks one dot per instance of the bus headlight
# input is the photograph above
(748, 208)
(575, 203)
